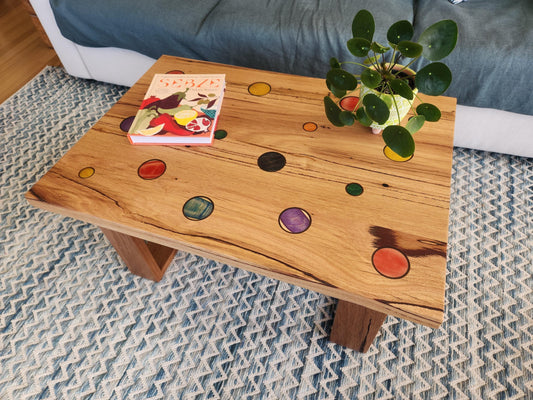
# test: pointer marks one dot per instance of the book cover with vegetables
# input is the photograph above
(179, 109)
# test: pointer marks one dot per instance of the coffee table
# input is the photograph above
(281, 193)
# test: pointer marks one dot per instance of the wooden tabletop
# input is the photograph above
(372, 231)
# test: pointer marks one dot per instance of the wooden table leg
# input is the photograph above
(146, 259)
(355, 326)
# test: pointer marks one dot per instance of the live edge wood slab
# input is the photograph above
(284, 194)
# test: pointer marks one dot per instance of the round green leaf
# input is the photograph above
(359, 47)
(362, 117)
(376, 108)
(401, 30)
(334, 63)
(399, 140)
(341, 79)
(332, 111)
(363, 25)
(347, 118)
(379, 48)
(433, 79)
(439, 39)
(410, 49)
(402, 88)
(429, 111)
(371, 78)
(415, 123)
(336, 91)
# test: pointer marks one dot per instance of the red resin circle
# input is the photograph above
(390, 262)
(152, 169)
(349, 103)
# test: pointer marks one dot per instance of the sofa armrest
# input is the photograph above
(106, 64)
(65, 49)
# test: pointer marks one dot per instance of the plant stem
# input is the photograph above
(355, 63)
(406, 66)
(418, 98)
(412, 107)
(375, 64)
(392, 62)
(395, 104)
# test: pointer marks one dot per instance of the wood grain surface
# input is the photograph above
(403, 206)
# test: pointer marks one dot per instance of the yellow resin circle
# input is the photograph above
(391, 155)
(86, 172)
(259, 88)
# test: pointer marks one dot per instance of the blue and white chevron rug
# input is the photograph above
(75, 324)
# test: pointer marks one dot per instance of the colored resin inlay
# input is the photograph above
(271, 161)
(259, 89)
(198, 208)
(152, 169)
(390, 262)
(310, 127)
(349, 103)
(294, 220)
(86, 172)
(354, 189)
(125, 125)
(220, 134)
(391, 155)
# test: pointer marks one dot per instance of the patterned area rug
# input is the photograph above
(74, 323)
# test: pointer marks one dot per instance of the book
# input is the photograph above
(179, 109)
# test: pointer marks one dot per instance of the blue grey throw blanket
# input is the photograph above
(492, 64)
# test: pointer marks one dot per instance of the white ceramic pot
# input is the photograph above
(398, 111)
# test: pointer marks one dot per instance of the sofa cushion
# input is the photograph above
(493, 51)
(286, 36)
(492, 62)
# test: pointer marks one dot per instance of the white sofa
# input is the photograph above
(475, 128)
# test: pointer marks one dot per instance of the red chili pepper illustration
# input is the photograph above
(170, 125)
(150, 100)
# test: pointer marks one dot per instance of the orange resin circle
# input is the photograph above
(310, 126)
(390, 262)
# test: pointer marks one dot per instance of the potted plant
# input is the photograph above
(387, 88)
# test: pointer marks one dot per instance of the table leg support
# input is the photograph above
(355, 326)
(146, 259)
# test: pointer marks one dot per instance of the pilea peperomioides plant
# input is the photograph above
(388, 88)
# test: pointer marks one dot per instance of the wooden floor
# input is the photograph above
(23, 53)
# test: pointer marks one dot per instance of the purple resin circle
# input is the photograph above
(126, 123)
(295, 220)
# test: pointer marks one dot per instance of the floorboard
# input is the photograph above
(23, 53)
